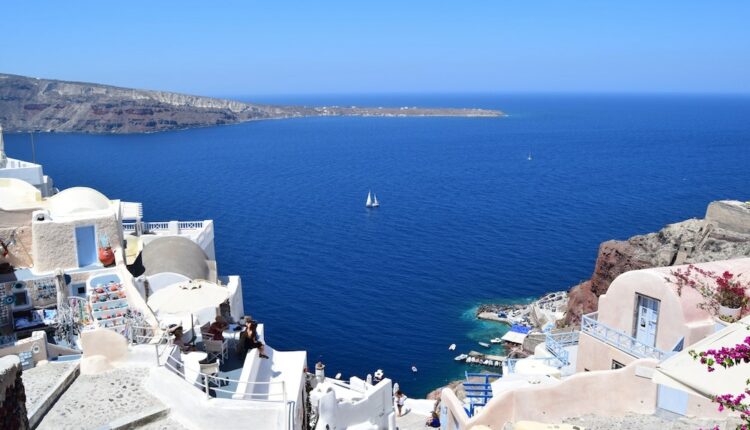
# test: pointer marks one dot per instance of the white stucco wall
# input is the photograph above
(375, 408)
(29, 172)
(190, 405)
(54, 240)
(580, 394)
(160, 280)
(236, 302)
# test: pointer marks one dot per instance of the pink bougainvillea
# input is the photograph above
(726, 358)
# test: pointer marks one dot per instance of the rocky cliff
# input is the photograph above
(30, 104)
(723, 234)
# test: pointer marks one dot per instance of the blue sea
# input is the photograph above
(465, 217)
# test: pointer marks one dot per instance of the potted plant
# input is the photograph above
(730, 293)
(723, 295)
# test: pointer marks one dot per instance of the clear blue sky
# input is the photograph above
(357, 46)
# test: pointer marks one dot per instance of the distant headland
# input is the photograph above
(45, 105)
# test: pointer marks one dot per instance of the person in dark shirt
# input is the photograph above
(216, 329)
(250, 339)
(433, 421)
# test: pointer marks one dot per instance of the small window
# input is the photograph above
(617, 365)
(21, 299)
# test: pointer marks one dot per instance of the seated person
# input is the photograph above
(433, 421)
(249, 338)
(216, 329)
(178, 340)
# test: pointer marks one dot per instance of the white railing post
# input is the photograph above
(286, 405)
(205, 384)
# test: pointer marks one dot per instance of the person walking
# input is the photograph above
(400, 401)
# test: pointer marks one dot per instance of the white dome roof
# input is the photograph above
(18, 193)
(76, 200)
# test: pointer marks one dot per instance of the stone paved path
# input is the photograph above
(39, 380)
(644, 422)
(412, 420)
(95, 400)
(164, 424)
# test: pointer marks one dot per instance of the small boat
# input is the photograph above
(461, 357)
(496, 340)
(452, 347)
(368, 203)
(338, 375)
(529, 157)
(485, 344)
(375, 202)
(414, 369)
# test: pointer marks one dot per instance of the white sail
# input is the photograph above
(375, 201)
(368, 204)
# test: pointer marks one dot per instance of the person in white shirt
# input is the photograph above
(400, 401)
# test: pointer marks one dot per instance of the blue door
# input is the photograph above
(647, 319)
(672, 400)
(86, 245)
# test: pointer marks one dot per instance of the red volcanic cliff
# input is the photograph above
(724, 234)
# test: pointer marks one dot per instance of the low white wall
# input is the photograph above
(36, 344)
(160, 280)
(375, 408)
(236, 302)
(29, 172)
(191, 408)
(580, 394)
(249, 374)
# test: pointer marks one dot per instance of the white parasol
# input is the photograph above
(188, 297)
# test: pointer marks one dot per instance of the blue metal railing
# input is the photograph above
(619, 339)
(478, 393)
(557, 342)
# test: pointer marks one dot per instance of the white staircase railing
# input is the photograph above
(619, 339)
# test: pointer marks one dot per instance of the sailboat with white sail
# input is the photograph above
(372, 200)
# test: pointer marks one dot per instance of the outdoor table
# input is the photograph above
(231, 334)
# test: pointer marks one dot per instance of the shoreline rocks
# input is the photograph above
(548, 309)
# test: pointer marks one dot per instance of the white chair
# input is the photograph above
(216, 349)
(212, 370)
(204, 331)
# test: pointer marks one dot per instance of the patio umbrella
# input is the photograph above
(188, 297)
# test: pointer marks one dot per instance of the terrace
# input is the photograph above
(275, 382)
(200, 232)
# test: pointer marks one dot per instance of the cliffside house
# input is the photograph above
(608, 367)
(78, 270)
(29, 172)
